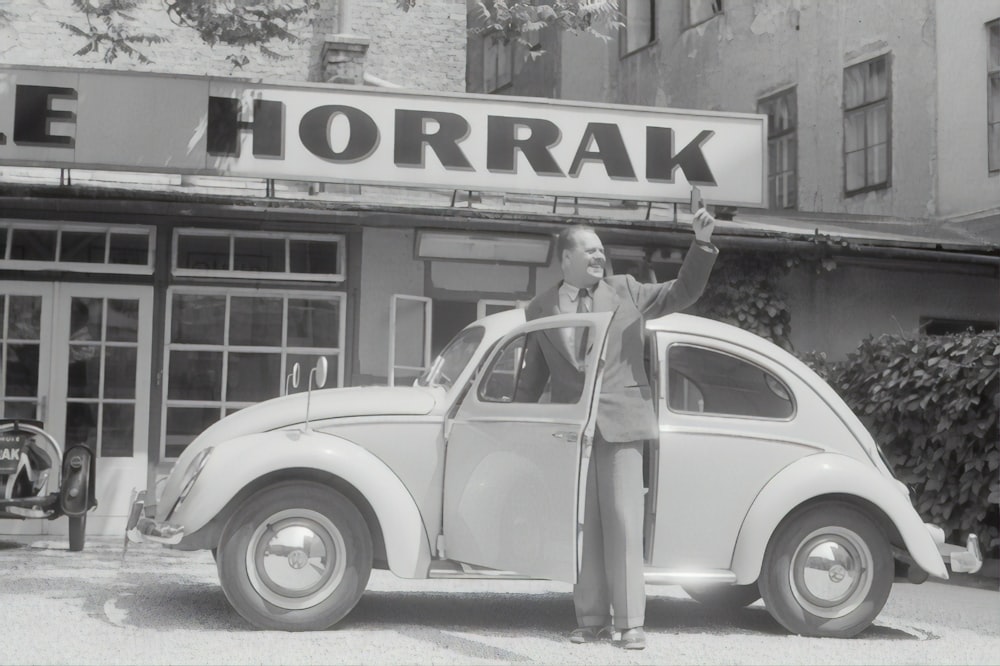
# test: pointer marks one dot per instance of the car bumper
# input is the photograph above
(141, 527)
(967, 559)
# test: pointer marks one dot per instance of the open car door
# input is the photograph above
(518, 450)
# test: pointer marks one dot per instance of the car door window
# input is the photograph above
(520, 371)
(707, 381)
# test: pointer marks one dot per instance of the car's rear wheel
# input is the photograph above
(724, 597)
(827, 571)
(295, 557)
(77, 532)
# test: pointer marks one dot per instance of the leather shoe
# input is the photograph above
(634, 639)
(590, 634)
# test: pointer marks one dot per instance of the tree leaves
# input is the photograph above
(515, 20)
(109, 30)
(110, 25)
(932, 404)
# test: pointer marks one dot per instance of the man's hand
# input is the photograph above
(703, 224)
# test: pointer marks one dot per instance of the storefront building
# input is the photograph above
(167, 261)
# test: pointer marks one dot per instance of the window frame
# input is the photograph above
(959, 325)
(664, 375)
(992, 78)
(773, 137)
(623, 32)
(9, 226)
(223, 404)
(718, 10)
(868, 104)
(231, 235)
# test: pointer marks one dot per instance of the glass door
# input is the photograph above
(101, 354)
(77, 358)
(25, 344)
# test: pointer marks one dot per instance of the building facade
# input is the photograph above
(882, 135)
(139, 305)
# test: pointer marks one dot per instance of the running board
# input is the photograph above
(452, 569)
(672, 577)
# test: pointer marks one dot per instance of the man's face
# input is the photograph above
(583, 263)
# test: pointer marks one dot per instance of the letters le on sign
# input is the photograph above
(231, 127)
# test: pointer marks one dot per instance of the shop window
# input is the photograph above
(699, 11)
(867, 126)
(706, 381)
(993, 101)
(92, 248)
(782, 126)
(260, 255)
(640, 26)
(228, 349)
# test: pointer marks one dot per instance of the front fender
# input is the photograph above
(237, 463)
(829, 474)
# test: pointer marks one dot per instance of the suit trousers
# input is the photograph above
(611, 584)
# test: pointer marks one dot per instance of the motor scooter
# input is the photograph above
(39, 480)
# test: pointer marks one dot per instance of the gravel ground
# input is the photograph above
(166, 607)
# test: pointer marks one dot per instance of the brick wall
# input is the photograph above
(423, 48)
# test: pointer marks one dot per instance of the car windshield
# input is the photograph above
(452, 360)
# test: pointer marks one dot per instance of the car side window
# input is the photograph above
(711, 382)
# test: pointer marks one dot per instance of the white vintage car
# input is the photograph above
(763, 484)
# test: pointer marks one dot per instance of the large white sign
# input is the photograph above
(230, 127)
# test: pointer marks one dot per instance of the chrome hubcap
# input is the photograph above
(296, 559)
(831, 572)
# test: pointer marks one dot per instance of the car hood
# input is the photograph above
(324, 404)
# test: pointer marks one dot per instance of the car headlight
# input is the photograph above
(190, 476)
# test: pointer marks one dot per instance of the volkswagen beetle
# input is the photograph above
(762, 484)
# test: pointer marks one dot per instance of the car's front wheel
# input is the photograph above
(295, 557)
(827, 571)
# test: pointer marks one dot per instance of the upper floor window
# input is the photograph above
(867, 125)
(498, 64)
(699, 11)
(640, 26)
(782, 151)
(993, 102)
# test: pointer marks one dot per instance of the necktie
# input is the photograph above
(582, 305)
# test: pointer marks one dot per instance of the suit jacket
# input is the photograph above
(625, 410)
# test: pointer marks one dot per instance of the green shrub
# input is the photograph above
(932, 404)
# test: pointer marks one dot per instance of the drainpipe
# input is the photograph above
(344, 17)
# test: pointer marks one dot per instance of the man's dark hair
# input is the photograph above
(566, 239)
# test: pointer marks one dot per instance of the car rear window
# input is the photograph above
(707, 381)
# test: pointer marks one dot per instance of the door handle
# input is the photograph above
(568, 435)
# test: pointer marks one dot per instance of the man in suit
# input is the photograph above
(611, 575)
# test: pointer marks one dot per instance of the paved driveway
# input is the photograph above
(166, 607)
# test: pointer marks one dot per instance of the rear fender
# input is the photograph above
(76, 491)
(830, 474)
(237, 463)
